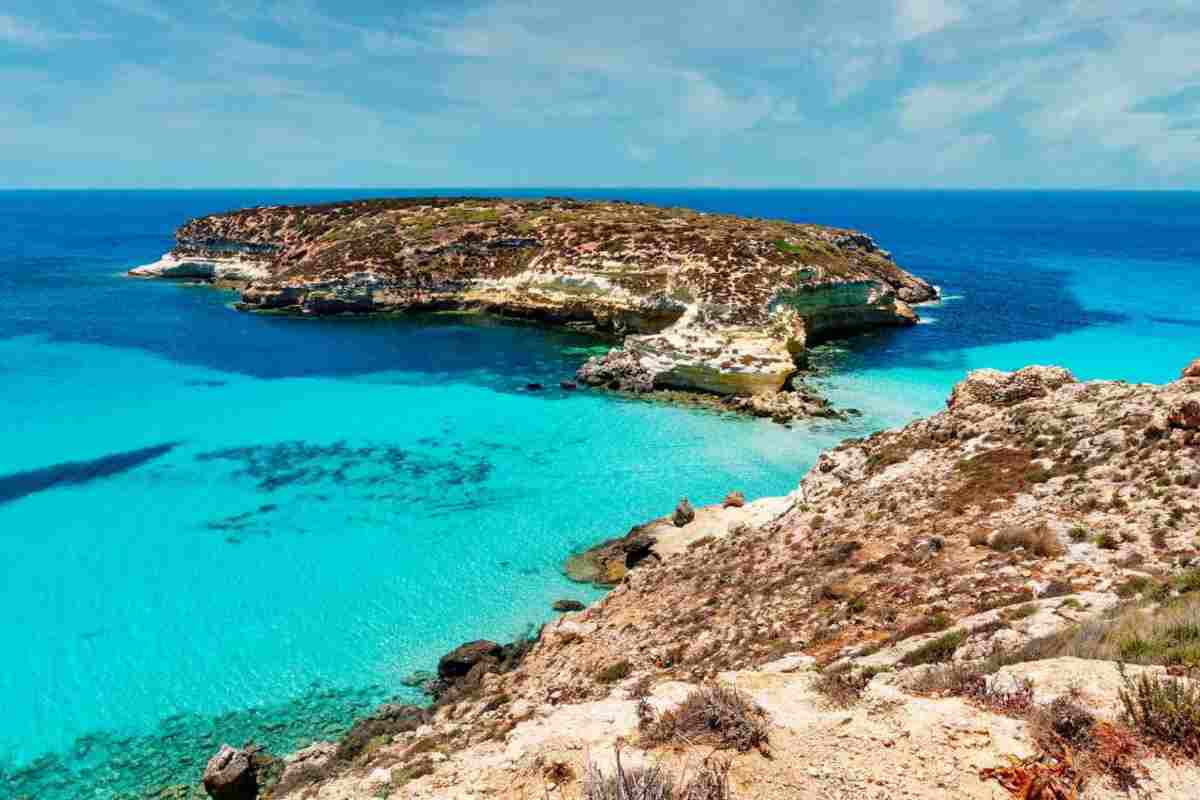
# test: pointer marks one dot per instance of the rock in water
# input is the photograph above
(734, 499)
(230, 775)
(1192, 370)
(563, 606)
(684, 513)
(459, 661)
(568, 386)
(533, 387)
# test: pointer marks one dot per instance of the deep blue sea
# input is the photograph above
(217, 526)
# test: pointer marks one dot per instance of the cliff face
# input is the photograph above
(968, 583)
(706, 302)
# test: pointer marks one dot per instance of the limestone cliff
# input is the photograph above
(705, 302)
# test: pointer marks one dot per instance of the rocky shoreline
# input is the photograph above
(705, 304)
(962, 607)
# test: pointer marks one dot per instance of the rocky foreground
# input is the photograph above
(1002, 600)
(704, 302)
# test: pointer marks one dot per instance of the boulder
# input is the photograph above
(307, 764)
(563, 606)
(1185, 415)
(230, 775)
(1192, 370)
(734, 499)
(684, 513)
(995, 388)
(459, 661)
(607, 563)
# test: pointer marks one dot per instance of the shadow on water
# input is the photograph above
(985, 314)
(72, 473)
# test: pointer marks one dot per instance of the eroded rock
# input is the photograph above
(459, 661)
(684, 513)
(230, 775)
(734, 499)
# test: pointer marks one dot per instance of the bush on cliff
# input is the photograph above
(710, 782)
(718, 716)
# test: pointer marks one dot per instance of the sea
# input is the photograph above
(224, 527)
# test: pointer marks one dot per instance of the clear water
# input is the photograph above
(217, 526)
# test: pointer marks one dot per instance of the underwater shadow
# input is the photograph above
(16, 485)
(986, 313)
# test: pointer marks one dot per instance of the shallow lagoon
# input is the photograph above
(223, 526)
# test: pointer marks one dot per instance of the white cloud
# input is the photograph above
(25, 33)
(936, 106)
(916, 18)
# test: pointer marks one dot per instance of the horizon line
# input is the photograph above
(605, 188)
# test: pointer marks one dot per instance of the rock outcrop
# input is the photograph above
(704, 302)
(231, 775)
(462, 659)
(684, 513)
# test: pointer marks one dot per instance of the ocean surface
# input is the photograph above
(217, 526)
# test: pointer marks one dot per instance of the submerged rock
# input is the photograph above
(608, 562)
(568, 386)
(230, 775)
(684, 513)
(563, 606)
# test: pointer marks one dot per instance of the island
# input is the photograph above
(711, 305)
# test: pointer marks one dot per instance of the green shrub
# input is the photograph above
(938, 651)
(1163, 709)
(1188, 581)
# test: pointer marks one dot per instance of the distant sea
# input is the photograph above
(218, 527)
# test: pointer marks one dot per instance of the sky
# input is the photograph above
(845, 93)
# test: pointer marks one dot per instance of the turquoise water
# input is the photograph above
(219, 526)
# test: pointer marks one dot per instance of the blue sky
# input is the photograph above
(912, 93)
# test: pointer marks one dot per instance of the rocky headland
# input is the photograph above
(1001, 600)
(703, 303)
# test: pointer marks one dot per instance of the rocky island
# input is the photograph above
(1001, 600)
(704, 303)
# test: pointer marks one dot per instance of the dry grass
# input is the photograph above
(717, 716)
(1040, 541)
(710, 782)
(1166, 636)
(843, 688)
